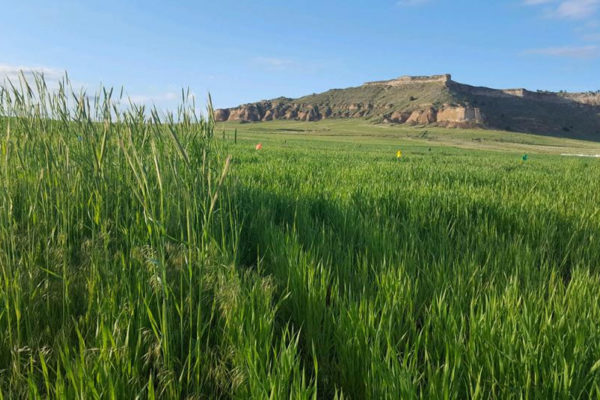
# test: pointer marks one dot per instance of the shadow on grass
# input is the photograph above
(331, 258)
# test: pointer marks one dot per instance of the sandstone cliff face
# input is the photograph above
(591, 98)
(268, 111)
(399, 117)
(447, 115)
(423, 116)
(221, 115)
(460, 115)
(309, 115)
(245, 113)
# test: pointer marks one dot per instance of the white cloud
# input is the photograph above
(577, 9)
(568, 9)
(592, 37)
(288, 65)
(13, 72)
(274, 63)
(151, 99)
(583, 17)
(409, 3)
(568, 51)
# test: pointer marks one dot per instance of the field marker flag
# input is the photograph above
(399, 154)
(524, 158)
(259, 146)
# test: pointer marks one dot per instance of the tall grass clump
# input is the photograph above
(139, 260)
(118, 257)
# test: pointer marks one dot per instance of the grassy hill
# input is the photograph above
(557, 114)
(383, 98)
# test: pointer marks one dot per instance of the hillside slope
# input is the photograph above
(438, 100)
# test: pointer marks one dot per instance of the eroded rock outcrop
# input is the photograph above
(399, 117)
(268, 111)
(447, 115)
(422, 116)
(590, 98)
(248, 112)
(221, 114)
(459, 115)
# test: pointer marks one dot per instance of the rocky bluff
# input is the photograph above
(437, 100)
(353, 106)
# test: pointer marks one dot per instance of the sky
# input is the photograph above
(245, 51)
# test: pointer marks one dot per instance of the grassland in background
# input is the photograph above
(137, 262)
(360, 131)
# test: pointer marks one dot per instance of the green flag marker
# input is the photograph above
(525, 157)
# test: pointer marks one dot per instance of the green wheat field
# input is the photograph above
(145, 255)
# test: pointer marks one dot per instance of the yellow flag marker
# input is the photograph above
(399, 154)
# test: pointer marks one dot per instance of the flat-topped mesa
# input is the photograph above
(437, 101)
(407, 80)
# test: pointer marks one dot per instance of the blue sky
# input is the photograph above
(244, 51)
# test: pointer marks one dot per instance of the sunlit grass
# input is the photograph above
(117, 258)
(447, 273)
(138, 260)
